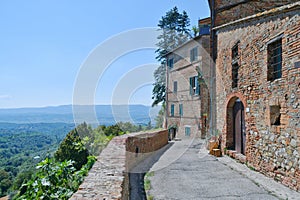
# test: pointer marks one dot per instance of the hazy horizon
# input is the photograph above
(47, 106)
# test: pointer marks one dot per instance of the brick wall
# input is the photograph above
(140, 146)
(108, 178)
(271, 149)
(231, 10)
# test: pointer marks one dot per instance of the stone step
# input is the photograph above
(217, 152)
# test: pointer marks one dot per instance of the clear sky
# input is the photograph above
(44, 43)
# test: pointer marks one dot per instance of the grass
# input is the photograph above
(150, 197)
(147, 184)
(250, 166)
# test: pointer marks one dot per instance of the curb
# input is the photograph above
(263, 181)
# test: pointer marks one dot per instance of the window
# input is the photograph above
(172, 110)
(187, 131)
(235, 65)
(194, 54)
(274, 60)
(175, 86)
(235, 52)
(194, 86)
(235, 75)
(275, 115)
(170, 62)
(180, 110)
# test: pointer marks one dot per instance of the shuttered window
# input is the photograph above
(187, 131)
(170, 63)
(194, 86)
(175, 87)
(172, 110)
(180, 110)
(194, 54)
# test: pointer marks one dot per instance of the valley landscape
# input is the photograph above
(29, 135)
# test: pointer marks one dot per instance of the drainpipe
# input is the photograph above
(213, 128)
(166, 96)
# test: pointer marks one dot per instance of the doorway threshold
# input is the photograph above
(235, 155)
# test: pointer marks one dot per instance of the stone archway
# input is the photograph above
(235, 123)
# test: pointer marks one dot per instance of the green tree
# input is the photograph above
(114, 130)
(86, 134)
(140, 128)
(72, 148)
(195, 31)
(160, 117)
(54, 180)
(84, 130)
(159, 89)
(5, 182)
(22, 177)
(99, 142)
(149, 126)
(174, 27)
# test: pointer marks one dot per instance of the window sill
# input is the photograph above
(275, 80)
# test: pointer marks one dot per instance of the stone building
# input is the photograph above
(256, 49)
(187, 100)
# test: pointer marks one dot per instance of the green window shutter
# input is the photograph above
(195, 53)
(175, 87)
(170, 62)
(187, 131)
(191, 85)
(172, 110)
(197, 85)
(180, 110)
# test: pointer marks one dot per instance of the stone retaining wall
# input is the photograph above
(108, 178)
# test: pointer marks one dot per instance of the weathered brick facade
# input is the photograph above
(189, 96)
(246, 38)
(232, 10)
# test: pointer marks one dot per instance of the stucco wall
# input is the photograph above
(194, 106)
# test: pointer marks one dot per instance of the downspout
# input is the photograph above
(166, 100)
(213, 110)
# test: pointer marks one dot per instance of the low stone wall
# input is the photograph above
(141, 145)
(109, 177)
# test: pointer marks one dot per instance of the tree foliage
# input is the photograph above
(174, 27)
(174, 32)
(54, 180)
(160, 117)
(22, 146)
(195, 31)
(5, 181)
(72, 148)
(60, 177)
(21, 178)
(159, 87)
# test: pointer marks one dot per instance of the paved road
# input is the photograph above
(186, 171)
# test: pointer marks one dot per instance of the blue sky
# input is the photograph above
(44, 43)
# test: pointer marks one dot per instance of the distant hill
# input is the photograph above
(106, 114)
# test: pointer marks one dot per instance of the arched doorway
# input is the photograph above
(172, 132)
(236, 134)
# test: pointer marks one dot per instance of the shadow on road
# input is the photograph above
(136, 175)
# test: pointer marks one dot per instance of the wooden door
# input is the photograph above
(239, 127)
